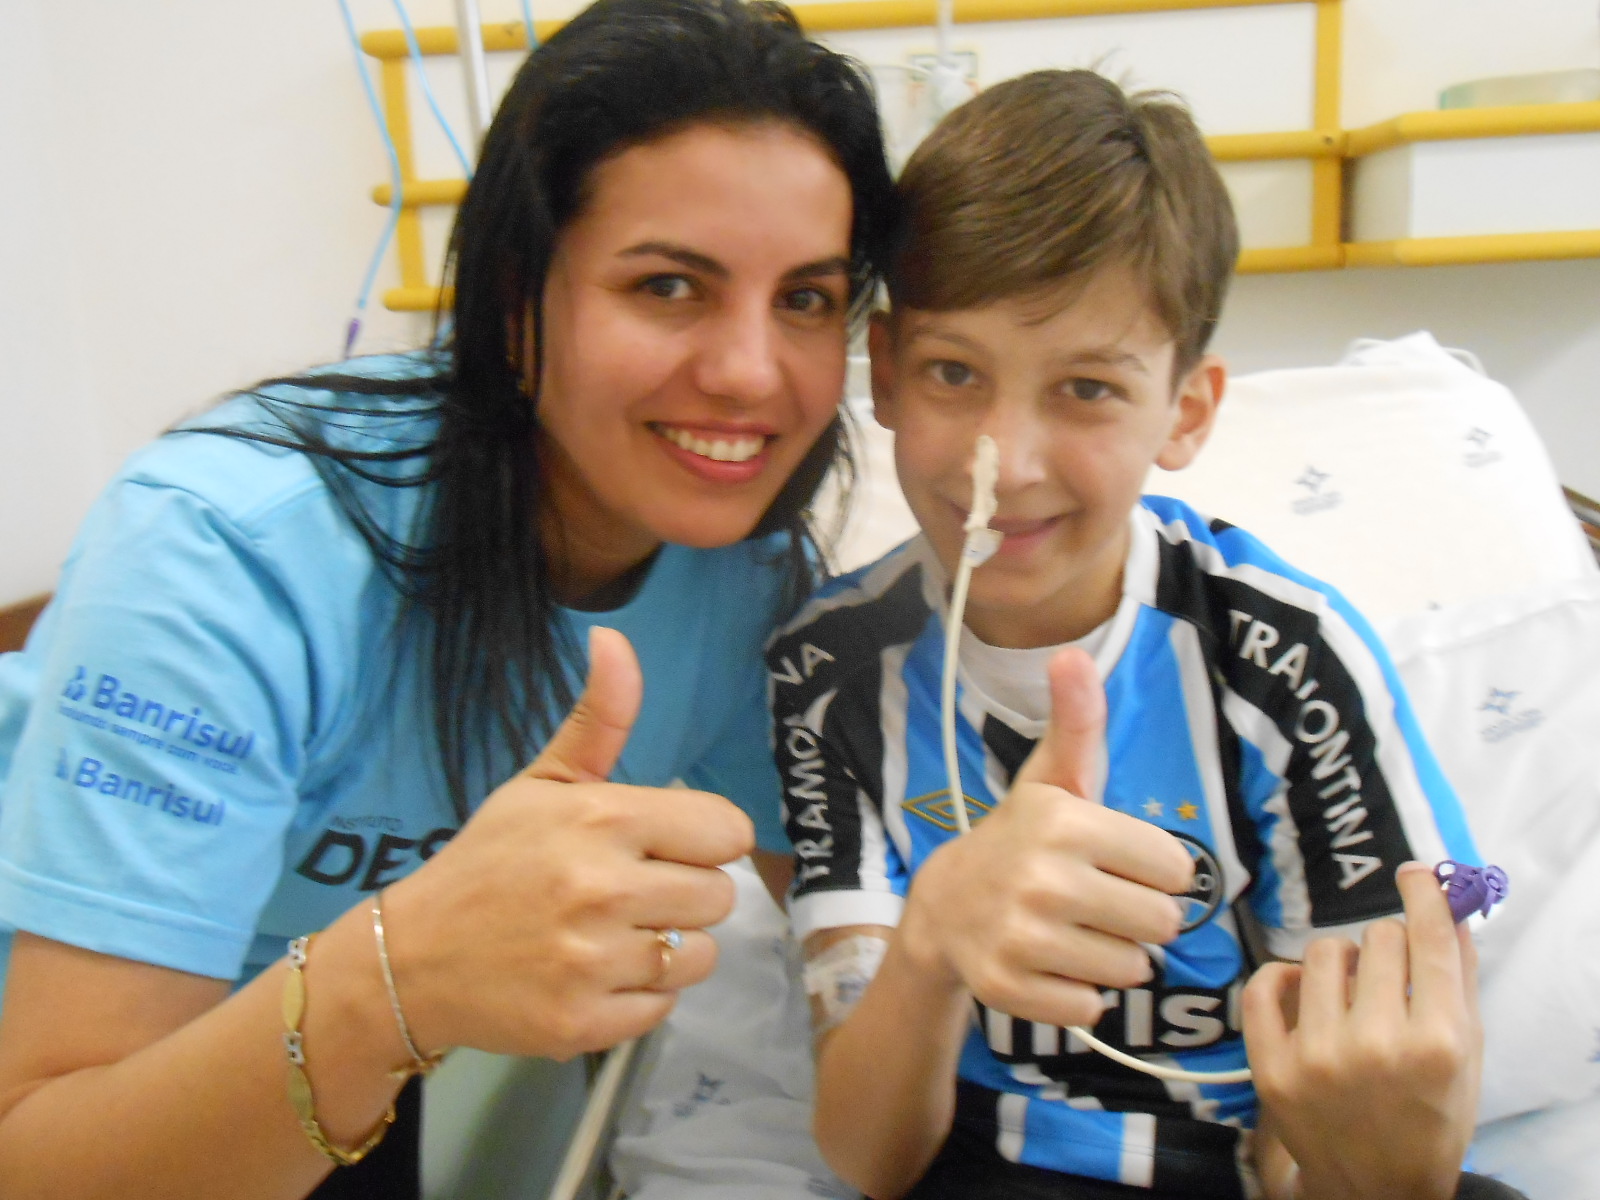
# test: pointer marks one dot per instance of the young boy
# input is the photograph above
(1235, 728)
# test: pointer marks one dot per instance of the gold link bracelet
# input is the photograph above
(300, 1097)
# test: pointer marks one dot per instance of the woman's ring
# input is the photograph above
(667, 940)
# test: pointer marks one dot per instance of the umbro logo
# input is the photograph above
(936, 809)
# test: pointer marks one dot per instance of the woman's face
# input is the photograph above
(694, 324)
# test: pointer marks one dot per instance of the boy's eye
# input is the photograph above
(1089, 389)
(950, 373)
(667, 287)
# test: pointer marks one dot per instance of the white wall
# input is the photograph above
(183, 209)
(1536, 326)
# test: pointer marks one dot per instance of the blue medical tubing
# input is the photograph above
(427, 90)
(353, 330)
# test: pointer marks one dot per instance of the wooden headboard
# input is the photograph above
(16, 620)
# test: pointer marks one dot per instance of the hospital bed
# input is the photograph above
(1408, 479)
(1416, 484)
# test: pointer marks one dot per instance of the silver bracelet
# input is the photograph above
(421, 1064)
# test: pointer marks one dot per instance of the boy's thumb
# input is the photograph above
(590, 740)
(1068, 756)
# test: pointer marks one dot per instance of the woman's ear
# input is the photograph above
(519, 346)
(530, 351)
(885, 371)
(1198, 396)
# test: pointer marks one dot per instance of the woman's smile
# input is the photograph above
(715, 452)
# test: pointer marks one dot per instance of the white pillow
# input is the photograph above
(1401, 475)
(1541, 1003)
(1507, 691)
(878, 519)
(1550, 1155)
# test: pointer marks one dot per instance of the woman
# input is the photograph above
(296, 645)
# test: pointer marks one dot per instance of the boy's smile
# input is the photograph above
(1077, 389)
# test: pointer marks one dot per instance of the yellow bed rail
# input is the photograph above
(1326, 145)
(1523, 120)
(1323, 145)
(1454, 123)
(1482, 248)
(826, 18)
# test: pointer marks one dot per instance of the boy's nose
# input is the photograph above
(737, 358)
(1021, 443)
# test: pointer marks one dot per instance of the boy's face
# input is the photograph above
(1081, 401)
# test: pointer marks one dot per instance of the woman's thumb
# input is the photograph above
(590, 740)
(1068, 756)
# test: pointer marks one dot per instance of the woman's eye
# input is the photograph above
(809, 301)
(668, 287)
(950, 373)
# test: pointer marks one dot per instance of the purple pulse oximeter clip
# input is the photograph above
(1471, 889)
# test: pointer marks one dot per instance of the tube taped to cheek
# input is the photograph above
(837, 977)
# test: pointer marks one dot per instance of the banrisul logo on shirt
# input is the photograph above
(1317, 495)
(153, 721)
(162, 795)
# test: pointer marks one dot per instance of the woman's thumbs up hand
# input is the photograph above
(536, 930)
(587, 746)
(1048, 897)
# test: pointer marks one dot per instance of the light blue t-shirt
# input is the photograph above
(215, 740)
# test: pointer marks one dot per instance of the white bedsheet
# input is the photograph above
(725, 1109)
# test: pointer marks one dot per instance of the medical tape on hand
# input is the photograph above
(838, 976)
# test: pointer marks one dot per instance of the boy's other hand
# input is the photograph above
(1048, 898)
(1368, 1064)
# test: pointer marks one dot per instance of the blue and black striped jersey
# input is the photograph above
(1250, 711)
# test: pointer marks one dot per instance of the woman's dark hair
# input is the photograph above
(475, 580)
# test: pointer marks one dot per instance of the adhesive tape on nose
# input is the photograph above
(985, 477)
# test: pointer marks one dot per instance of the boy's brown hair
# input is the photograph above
(1039, 181)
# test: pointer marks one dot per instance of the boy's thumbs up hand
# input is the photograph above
(1046, 901)
(536, 930)
(1068, 756)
